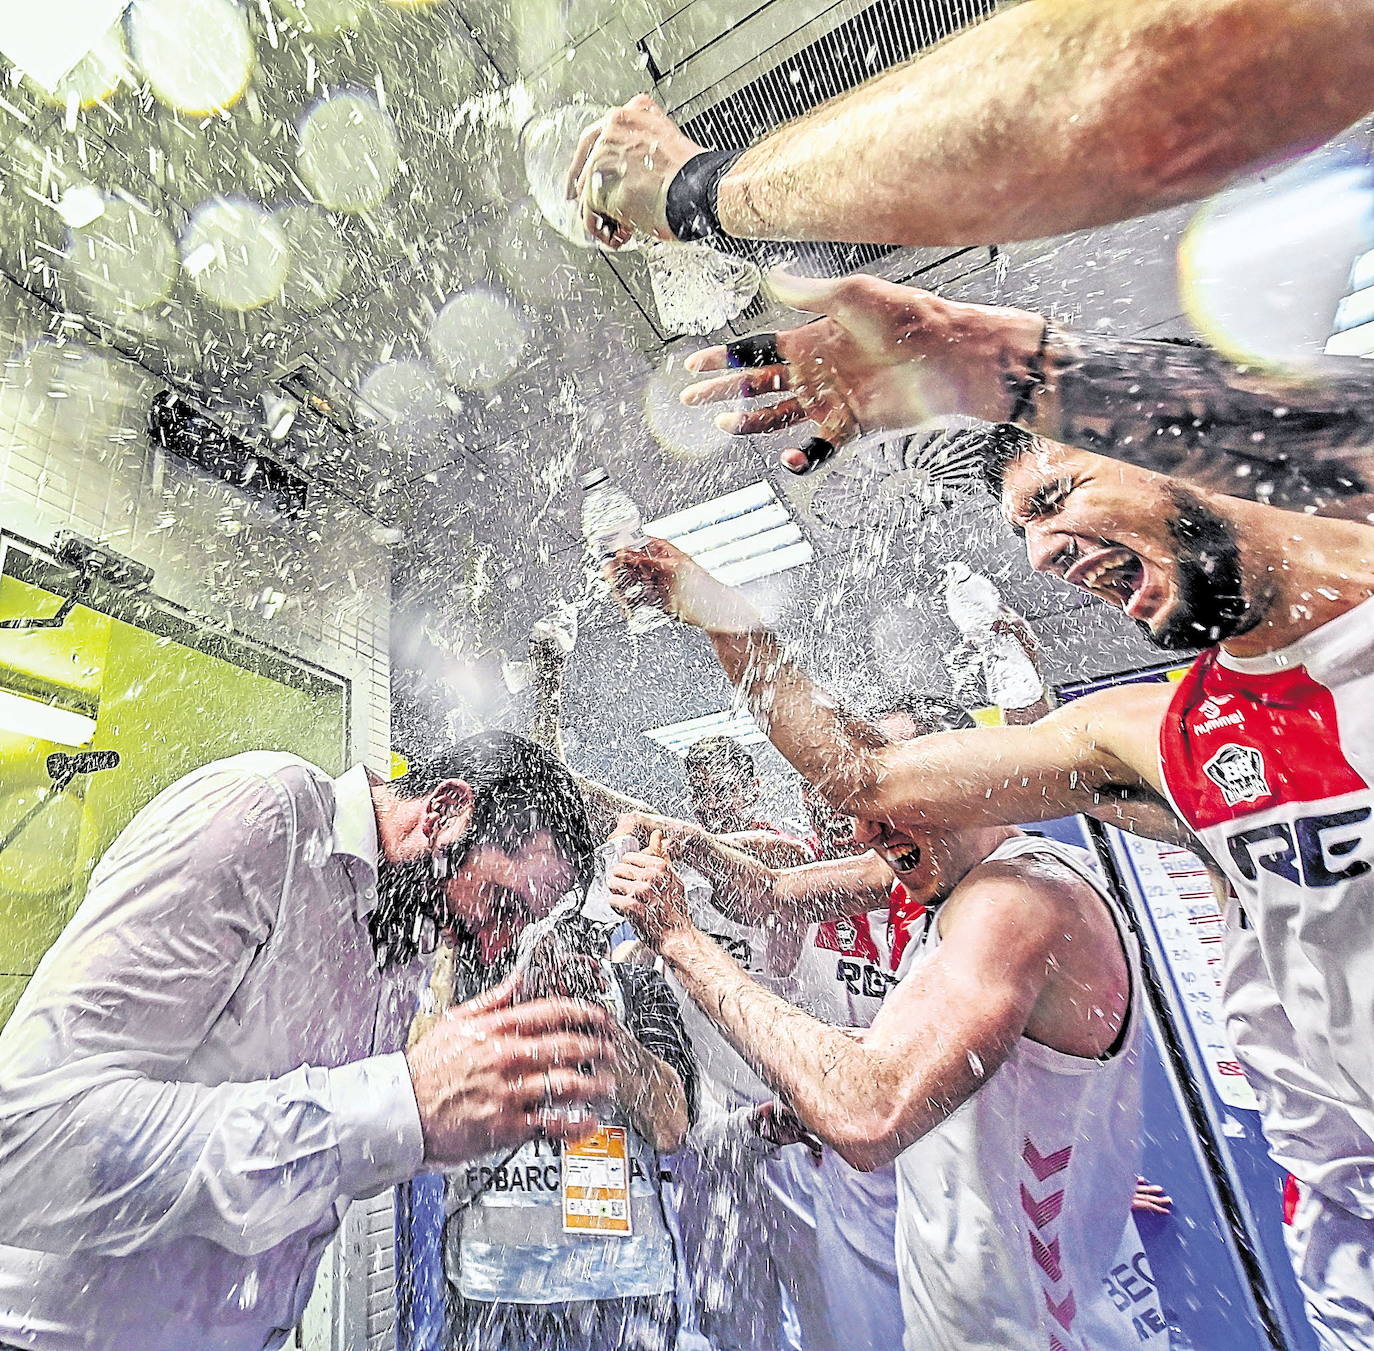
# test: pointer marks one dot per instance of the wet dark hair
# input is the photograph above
(518, 790)
(997, 445)
(720, 754)
(929, 712)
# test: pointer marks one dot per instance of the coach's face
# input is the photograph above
(1136, 539)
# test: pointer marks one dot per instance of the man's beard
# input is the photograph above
(1212, 605)
(410, 908)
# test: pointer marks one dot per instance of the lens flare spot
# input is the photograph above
(402, 391)
(1263, 266)
(321, 18)
(125, 258)
(196, 54)
(95, 77)
(317, 267)
(347, 154)
(478, 338)
(235, 254)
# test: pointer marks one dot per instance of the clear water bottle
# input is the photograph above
(1000, 637)
(611, 522)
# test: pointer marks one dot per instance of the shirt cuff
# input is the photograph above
(378, 1124)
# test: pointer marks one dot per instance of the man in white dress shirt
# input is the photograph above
(207, 1067)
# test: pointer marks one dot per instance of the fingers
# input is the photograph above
(806, 457)
(744, 385)
(498, 997)
(655, 847)
(539, 1053)
(572, 185)
(544, 1125)
(814, 295)
(754, 421)
(561, 1086)
(540, 1016)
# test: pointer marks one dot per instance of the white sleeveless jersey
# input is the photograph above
(1271, 760)
(838, 1257)
(1310, 1133)
(848, 966)
(1011, 1211)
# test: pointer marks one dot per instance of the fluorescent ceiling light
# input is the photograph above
(46, 41)
(1362, 274)
(37, 721)
(679, 736)
(1354, 342)
(739, 536)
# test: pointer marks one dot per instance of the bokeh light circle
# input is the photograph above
(402, 392)
(235, 254)
(317, 268)
(197, 54)
(125, 258)
(478, 338)
(347, 154)
(96, 76)
(321, 18)
(1262, 265)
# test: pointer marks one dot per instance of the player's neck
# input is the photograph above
(1304, 571)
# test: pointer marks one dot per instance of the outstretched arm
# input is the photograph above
(884, 358)
(1093, 753)
(931, 1047)
(1046, 118)
(749, 890)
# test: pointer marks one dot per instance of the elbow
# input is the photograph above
(670, 1130)
(868, 1142)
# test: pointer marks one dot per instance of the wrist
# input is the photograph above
(1023, 365)
(690, 207)
(678, 945)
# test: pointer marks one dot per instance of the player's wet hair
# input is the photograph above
(998, 445)
(720, 754)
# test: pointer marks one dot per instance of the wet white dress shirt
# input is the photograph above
(204, 1071)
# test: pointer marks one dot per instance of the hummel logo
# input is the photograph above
(1042, 1212)
(1065, 1312)
(1047, 1257)
(1045, 1165)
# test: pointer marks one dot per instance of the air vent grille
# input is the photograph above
(882, 35)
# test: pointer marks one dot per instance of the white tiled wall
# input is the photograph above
(74, 455)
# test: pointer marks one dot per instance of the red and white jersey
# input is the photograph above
(1011, 1211)
(848, 966)
(1271, 760)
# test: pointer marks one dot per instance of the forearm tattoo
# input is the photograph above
(1185, 410)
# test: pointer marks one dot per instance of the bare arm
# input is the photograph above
(650, 1092)
(883, 358)
(1047, 118)
(931, 1047)
(1189, 412)
(1057, 116)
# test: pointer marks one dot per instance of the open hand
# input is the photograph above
(678, 585)
(882, 358)
(492, 1074)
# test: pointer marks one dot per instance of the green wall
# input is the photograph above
(164, 706)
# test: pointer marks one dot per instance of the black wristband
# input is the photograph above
(691, 206)
(1024, 389)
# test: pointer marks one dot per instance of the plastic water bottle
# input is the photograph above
(972, 601)
(611, 522)
(975, 608)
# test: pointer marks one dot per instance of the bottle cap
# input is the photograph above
(593, 478)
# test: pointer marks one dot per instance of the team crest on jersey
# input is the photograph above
(1239, 772)
(846, 935)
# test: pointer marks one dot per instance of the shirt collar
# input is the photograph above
(355, 831)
